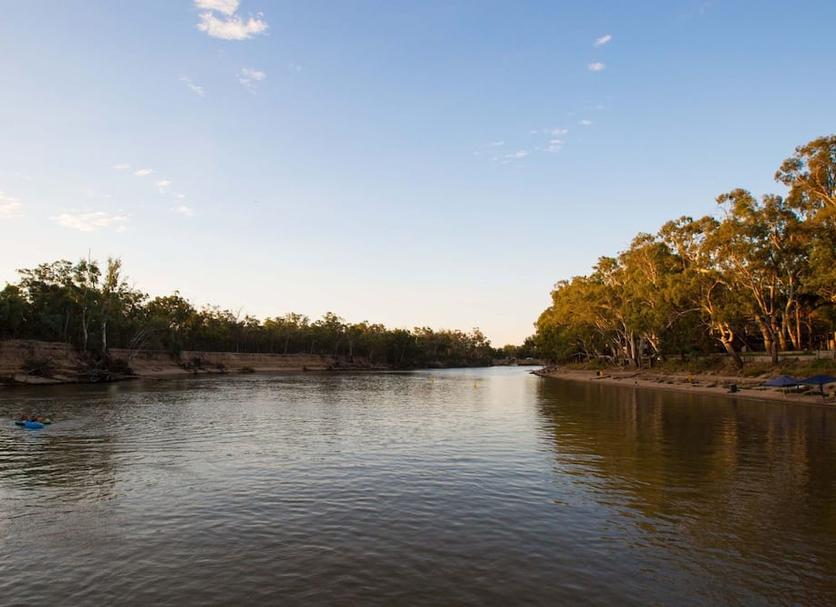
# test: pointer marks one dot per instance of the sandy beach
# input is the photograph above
(715, 385)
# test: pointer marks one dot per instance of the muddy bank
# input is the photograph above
(35, 362)
(715, 385)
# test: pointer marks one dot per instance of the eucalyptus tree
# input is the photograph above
(810, 175)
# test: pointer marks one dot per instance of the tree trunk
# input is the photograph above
(727, 339)
(782, 336)
(768, 333)
(84, 328)
(104, 336)
(637, 351)
(798, 342)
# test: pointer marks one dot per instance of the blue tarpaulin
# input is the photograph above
(818, 380)
(782, 381)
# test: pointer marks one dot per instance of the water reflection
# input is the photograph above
(724, 487)
(441, 487)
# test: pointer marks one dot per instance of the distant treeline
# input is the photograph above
(761, 277)
(95, 309)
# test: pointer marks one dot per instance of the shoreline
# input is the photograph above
(22, 381)
(712, 385)
(58, 363)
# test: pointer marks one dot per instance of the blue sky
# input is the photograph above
(412, 163)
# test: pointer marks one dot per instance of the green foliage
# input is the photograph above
(762, 277)
(95, 311)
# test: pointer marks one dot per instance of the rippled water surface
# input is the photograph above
(441, 487)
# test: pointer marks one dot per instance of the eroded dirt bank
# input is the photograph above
(36, 362)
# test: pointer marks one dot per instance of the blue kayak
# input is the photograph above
(30, 425)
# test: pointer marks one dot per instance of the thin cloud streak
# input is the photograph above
(227, 7)
(183, 210)
(249, 77)
(90, 221)
(9, 206)
(195, 88)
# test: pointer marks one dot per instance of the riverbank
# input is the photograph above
(32, 362)
(716, 385)
(25, 362)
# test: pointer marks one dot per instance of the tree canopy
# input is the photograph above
(95, 309)
(759, 276)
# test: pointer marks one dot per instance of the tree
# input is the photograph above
(810, 175)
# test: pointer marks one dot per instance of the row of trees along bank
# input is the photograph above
(761, 276)
(95, 309)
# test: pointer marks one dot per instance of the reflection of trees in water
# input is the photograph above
(749, 482)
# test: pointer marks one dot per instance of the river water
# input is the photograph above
(454, 487)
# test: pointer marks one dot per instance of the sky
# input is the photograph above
(426, 163)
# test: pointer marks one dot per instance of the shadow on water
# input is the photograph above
(744, 491)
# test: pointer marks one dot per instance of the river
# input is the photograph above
(453, 487)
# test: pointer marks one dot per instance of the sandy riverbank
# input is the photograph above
(66, 367)
(748, 387)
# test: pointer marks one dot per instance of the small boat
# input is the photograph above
(32, 425)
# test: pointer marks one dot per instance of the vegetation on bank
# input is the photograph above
(761, 277)
(95, 309)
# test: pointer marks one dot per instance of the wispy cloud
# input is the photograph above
(9, 207)
(490, 148)
(95, 194)
(195, 88)
(162, 185)
(90, 221)
(183, 210)
(606, 38)
(220, 20)
(555, 140)
(143, 172)
(231, 28)
(585, 123)
(249, 77)
(227, 7)
(517, 155)
(596, 67)
(697, 10)
(121, 167)
(294, 67)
